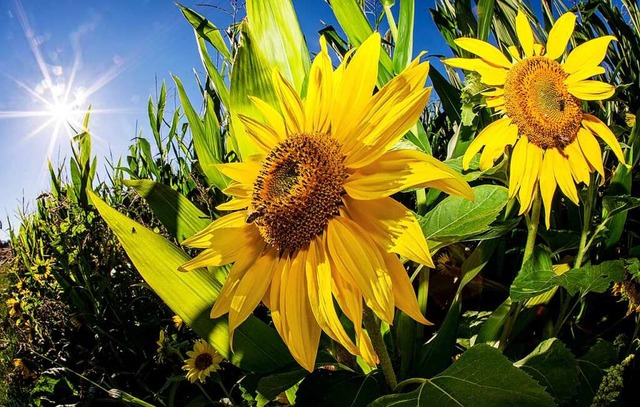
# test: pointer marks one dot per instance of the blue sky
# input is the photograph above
(108, 54)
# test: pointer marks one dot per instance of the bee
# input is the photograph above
(256, 213)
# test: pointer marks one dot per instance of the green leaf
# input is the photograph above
(592, 278)
(554, 367)
(448, 94)
(481, 377)
(613, 205)
(203, 142)
(207, 30)
(591, 369)
(339, 388)
(277, 34)
(355, 24)
(492, 327)
(535, 277)
(404, 47)
(271, 386)
(216, 78)
(485, 15)
(250, 76)
(181, 218)
(191, 295)
(455, 218)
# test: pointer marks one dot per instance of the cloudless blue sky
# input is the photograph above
(120, 48)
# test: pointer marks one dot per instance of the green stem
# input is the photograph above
(586, 225)
(533, 221)
(373, 328)
(532, 228)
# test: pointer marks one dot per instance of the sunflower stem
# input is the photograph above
(373, 328)
(532, 232)
(586, 224)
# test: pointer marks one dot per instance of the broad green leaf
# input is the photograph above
(340, 388)
(592, 278)
(535, 277)
(181, 218)
(250, 76)
(203, 142)
(355, 24)
(207, 30)
(592, 367)
(554, 367)
(481, 377)
(492, 327)
(271, 386)
(613, 205)
(191, 295)
(455, 217)
(404, 47)
(275, 29)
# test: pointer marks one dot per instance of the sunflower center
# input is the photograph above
(538, 102)
(203, 361)
(298, 190)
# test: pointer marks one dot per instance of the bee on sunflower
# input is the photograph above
(540, 97)
(314, 220)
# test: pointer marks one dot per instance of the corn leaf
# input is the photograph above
(216, 78)
(207, 30)
(191, 295)
(404, 47)
(181, 218)
(276, 31)
(357, 27)
(251, 76)
(203, 142)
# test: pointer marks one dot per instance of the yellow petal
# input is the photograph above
(366, 348)
(403, 292)
(591, 90)
(385, 127)
(347, 294)
(240, 267)
(492, 131)
(490, 74)
(484, 50)
(398, 170)
(538, 49)
(602, 130)
(582, 74)
(562, 174)
(577, 162)
(591, 150)
(495, 102)
(514, 52)
(517, 166)
(252, 287)
(234, 204)
(262, 136)
(290, 103)
(588, 54)
(392, 226)
(356, 255)
(547, 187)
(203, 238)
(317, 103)
(525, 34)
(274, 294)
(496, 145)
(559, 35)
(357, 81)
(272, 116)
(318, 272)
(239, 190)
(244, 172)
(530, 177)
(302, 333)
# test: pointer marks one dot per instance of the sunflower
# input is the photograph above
(203, 360)
(314, 220)
(540, 98)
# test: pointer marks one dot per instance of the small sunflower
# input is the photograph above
(315, 220)
(203, 360)
(540, 100)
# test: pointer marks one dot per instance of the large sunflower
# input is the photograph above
(314, 219)
(540, 99)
